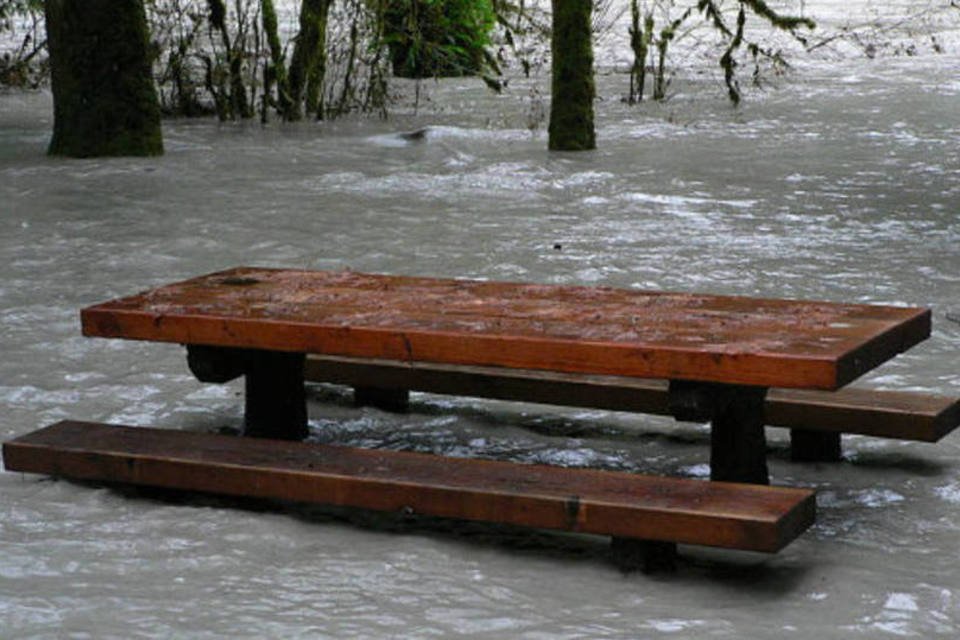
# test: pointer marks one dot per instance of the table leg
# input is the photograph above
(275, 403)
(650, 556)
(814, 446)
(393, 400)
(738, 445)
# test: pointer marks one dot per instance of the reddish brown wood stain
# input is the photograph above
(738, 340)
(888, 414)
(740, 516)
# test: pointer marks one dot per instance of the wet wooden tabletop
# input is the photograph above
(601, 330)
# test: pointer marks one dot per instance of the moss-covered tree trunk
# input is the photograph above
(275, 70)
(236, 103)
(104, 99)
(308, 52)
(572, 92)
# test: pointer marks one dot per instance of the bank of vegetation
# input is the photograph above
(294, 59)
(116, 66)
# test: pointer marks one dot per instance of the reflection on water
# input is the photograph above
(833, 186)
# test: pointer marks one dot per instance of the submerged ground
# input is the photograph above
(836, 182)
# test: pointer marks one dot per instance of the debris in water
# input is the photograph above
(418, 135)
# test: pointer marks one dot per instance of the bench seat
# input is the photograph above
(623, 505)
(886, 414)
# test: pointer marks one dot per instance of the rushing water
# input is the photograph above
(839, 183)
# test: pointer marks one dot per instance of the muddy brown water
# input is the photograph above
(835, 184)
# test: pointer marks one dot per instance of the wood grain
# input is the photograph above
(737, 516)
(598, 330)
(879, 413)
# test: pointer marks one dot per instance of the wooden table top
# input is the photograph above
(601, 330)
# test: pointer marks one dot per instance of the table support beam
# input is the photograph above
(738, 446)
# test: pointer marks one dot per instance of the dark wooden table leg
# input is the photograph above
(394, 400)
(276, 403)
(649, 556)
(814, 446)
(738, 444)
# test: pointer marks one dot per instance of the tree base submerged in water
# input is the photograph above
(104, 100)
(572, 93)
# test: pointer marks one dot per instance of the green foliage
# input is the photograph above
(438, 38)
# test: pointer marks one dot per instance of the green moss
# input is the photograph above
(105, 102)
(571, 106)
(728, 61)
(438, 38)
(309, 55)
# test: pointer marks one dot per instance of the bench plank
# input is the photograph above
(887, 414)
(593, 330)
(738, 516)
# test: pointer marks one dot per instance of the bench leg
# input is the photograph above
(650, 556)
(738, 443)
(814, 446)
(276, 403)
(394, 400)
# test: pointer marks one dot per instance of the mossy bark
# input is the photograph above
(238, 105)
(104, 99)
(308, 53)
(274, 71)
(571, 106)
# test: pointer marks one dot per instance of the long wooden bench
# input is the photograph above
(883, 414)
(623, 505)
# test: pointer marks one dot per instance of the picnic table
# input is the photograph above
(720, 355)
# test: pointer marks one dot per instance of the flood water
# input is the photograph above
(838, 182)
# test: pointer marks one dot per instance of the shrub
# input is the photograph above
(438, 38)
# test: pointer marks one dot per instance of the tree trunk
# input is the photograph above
(237, 105)
(308, 52)
(104, 99)
(275, 71)
(313, 102)
(571, 105)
